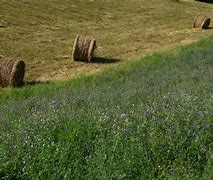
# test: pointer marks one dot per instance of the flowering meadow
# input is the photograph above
(150, 119)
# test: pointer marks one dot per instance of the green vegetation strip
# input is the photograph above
(149, 119)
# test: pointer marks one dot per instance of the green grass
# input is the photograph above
(150, 119)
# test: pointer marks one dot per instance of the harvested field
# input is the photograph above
(43, 32)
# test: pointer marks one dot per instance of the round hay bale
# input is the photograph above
(83, 49)
(201, 21)
(11, 72)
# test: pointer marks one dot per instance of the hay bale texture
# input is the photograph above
(11, 72)
(201, 21)
(83, 49)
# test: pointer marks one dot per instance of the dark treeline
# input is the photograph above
(206, 1)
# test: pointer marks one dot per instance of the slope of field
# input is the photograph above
(42, 32)
(150, 119)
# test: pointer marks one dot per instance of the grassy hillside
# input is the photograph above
(150, 119)
(42, 32)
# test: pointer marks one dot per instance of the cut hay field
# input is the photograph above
(42, 32)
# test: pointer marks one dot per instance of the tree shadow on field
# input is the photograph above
(206, 1)
(34, 82)
(102, 60)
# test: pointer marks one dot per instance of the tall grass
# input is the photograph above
(151, 119)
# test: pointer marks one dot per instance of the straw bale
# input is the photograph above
(201, 21)
(83, 49)
(11, 72)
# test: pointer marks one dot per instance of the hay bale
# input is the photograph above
(11, 72)
(201, 21)
(83, 49)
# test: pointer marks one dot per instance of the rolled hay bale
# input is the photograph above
(11, 72)
(201, 21)
(83, 49)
